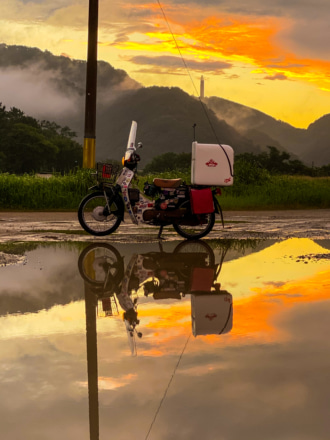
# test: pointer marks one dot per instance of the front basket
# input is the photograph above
(107, 172)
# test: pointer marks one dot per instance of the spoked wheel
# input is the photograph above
(101, 263)
(197, 248)
(194, 226)
(100, 215)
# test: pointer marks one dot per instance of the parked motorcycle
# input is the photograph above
(190, 209)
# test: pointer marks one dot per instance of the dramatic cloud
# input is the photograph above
(259, 40)
(176, 63)
(252, 40)
(279, 76)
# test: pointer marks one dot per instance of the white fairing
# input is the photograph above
(212, 164)
(132, 136)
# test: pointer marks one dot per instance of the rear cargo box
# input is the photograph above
(211, 313)
(212, 164)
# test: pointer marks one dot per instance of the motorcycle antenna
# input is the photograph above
(194, 86)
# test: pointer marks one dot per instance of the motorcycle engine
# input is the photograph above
(171, 198)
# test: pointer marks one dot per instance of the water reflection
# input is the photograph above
(189, 269)
(267, 376)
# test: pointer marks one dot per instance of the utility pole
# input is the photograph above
(91, 83)
(92, 370)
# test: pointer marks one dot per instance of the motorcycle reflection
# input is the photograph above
(189, 269)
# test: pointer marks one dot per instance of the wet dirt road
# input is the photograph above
(64, 226)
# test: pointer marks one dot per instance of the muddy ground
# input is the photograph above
(64, 226)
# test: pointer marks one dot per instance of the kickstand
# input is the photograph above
(160, 233)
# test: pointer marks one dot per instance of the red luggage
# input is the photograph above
(201, 201)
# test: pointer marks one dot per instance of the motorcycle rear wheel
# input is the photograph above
(95, 217)
(200, 225)
(199, 248)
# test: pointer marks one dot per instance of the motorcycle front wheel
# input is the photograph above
(100, 263)
(195, 226)
(99, 214)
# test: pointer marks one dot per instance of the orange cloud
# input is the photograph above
(255, 317)
(248, 40)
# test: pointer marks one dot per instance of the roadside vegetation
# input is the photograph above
(31, 192)
(270, 180)
(31, 146)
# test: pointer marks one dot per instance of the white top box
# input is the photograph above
(212, 164)
(211, 314)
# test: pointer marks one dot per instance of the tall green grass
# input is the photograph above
(279, 192)
(30, 192)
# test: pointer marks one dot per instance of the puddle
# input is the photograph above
(214, 340)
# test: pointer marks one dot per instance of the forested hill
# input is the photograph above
(311, 145)
(165, 119)
(55, 86)
(67, 75)
(52, 88)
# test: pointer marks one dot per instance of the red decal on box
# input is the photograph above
(211, 163)
(228, 180)
(211, 316)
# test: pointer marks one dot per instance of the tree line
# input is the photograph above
(28, 145)
(273, 161)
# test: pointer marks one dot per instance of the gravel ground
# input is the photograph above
(64, 226)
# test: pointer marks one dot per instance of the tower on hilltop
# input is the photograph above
(201, 95)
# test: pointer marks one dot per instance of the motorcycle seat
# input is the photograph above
(167, 183)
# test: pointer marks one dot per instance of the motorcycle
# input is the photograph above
(190, 209)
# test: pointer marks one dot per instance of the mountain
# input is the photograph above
(52, 87)
(317, 148)
(165, 119)
(311, 145)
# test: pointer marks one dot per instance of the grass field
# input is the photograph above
(280, 192)
(30, 192)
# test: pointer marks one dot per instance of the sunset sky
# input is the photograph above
(272, 56)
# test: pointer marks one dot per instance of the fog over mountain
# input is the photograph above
(53, 88)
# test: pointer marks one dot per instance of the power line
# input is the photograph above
(167, 388)
(196, 91)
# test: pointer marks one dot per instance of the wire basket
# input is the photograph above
(107, 172)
